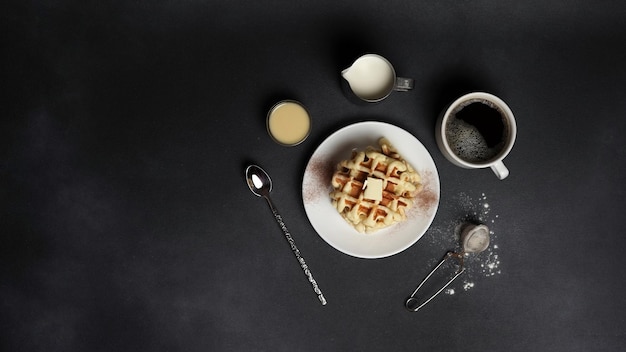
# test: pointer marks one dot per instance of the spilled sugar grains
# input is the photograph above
(475, 210)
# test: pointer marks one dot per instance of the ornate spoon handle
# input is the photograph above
(296, 252)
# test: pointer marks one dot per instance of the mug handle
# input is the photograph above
(500, 170)
(403, 84)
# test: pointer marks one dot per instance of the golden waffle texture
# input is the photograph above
(401, 183)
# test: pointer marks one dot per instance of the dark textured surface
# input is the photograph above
(126, 224)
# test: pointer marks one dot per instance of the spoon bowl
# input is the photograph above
(258, 181)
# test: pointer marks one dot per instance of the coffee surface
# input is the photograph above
(476, 131)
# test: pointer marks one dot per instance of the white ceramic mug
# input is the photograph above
(463, 129)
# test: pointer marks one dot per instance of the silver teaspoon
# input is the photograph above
(260, 184)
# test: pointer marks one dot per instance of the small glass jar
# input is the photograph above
(288, 123)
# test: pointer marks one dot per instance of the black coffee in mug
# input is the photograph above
(477, 131)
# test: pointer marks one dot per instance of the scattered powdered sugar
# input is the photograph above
(469, 210)
(468, 285)
(489, 260)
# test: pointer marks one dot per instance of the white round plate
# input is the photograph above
(316, 187)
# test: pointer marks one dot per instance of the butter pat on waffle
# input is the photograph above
(375, 188)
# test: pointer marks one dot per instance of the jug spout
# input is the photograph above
(345, 74)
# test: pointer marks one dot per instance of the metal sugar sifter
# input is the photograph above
(474, 239)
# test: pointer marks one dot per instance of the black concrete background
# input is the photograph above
(126, 224)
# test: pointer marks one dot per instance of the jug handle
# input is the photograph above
(403, 84)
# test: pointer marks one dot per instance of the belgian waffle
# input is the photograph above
(400, 184)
